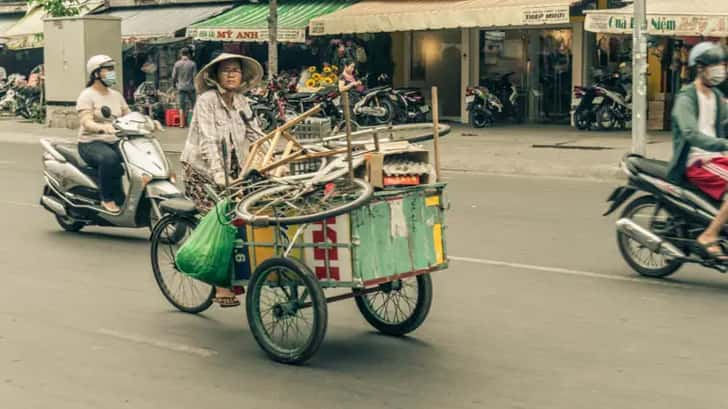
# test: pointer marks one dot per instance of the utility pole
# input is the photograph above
(639, 78)
(272, 38)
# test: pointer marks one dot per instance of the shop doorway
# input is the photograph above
(540, 61)
(435, 61)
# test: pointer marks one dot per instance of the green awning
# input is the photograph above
(249, 22)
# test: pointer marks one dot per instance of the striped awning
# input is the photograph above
(249, 22)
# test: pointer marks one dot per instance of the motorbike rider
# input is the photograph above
(98, 142)
(700, 147)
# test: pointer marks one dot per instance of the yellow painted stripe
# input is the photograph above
(432, 201)
(437, 238)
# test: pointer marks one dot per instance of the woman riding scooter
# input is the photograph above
(98, 143)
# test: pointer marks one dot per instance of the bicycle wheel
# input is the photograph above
(286, 310)
(399, 307)
(183, 292)
(303, 203)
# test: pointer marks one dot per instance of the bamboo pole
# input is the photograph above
(347, 120)
(436, 131)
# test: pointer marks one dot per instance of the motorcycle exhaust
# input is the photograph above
(53, 205)
(373, 111)
(649, 239)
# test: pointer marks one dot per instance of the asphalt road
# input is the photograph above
(536, 311)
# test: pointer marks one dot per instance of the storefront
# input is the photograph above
(455, 44)
(674, 28)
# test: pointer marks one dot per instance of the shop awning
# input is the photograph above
(162, 22)
(28, 31)
(708, 18)
(374, 16)
(249, 22)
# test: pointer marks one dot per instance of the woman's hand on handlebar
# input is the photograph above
(109, 129)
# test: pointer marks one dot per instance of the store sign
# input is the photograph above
(545, 15)
(246, 35)
(708, 26)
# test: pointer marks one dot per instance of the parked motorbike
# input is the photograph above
(589, 101)
(409, 103)
(71, 191)
(657, 232)
(148, 101)
(616, 109)
(482, 106)
(507, 94)
(19, 98)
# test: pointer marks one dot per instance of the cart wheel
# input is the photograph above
(185, 293)
(399, 307)
(286, 310)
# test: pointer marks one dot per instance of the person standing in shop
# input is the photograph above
(183, 75)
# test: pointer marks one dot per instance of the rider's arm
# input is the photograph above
(86, 119)
(685, 116)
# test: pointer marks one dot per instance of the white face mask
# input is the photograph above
(714, 75)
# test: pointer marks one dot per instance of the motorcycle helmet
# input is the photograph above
(97, 62)
(707, 53)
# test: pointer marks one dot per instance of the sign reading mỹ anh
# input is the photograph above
(245, 35)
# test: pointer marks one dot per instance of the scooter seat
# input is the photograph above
(178, 206)
(652, 167)
(300, 96)
(659, 169)
(70, 152)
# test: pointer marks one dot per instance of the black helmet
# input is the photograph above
(707, 53)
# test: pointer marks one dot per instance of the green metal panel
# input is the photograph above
(292, 14)
(394, 233)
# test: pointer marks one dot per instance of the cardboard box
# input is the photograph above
(375, 164)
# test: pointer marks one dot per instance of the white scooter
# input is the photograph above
(71, 191)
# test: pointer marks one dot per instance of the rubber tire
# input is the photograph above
(414, 321)
(319, 305)
(310, 218)
(477, 123)
(267, 114)
(70, 226)
(155, 240)
(599, 114)
(389, 117)
(178, 234)
(668, 270)
(581, 121)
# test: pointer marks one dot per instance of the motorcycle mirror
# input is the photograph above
(106, 112)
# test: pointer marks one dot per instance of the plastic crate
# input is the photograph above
(305, 166)
(313, 130)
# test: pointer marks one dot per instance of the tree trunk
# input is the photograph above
(272, 38)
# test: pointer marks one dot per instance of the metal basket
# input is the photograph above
(313, 130)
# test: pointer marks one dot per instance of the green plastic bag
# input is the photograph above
(208, 253)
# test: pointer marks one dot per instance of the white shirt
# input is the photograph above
(707, 107)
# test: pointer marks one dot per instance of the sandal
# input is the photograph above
(713, 254)
(226, 302)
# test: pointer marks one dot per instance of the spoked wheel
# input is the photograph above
(173, 234)
(480, 119)
(645, 212)
(300, 203)
(389, 110)
(606, 118)
(399, 307)
(183, 292)
(286, 310)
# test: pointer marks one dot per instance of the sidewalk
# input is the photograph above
(530, 150)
